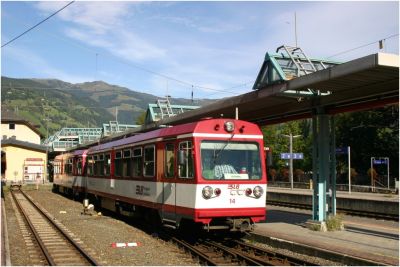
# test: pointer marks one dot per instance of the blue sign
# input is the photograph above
(294, 156)
(341, 150)
(379, 161)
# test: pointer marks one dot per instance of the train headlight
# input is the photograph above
(207, 192)
(229, 126)
(248, 191)
(258, 191)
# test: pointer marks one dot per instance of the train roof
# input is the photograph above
(202, 126)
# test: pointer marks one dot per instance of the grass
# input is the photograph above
(335, 223)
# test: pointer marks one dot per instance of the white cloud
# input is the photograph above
(211, 25)
(102, 25)
(327, 28)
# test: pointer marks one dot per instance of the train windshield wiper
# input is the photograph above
(218, 153)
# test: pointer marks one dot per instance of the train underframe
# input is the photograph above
(155, 216)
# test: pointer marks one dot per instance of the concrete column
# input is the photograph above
(315, 167)
(333, 165)
(323, 163)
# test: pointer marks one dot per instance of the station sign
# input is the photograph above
(294, 156)
(379, 161)
(341, 150)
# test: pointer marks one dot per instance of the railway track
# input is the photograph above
(232, 252)
(48, 242)
(343, 211)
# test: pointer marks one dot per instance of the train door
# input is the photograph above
(169, 184)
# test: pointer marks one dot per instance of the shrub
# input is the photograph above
(335, 223)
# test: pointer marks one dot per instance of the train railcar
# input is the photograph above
(210, 172)
(69, 173)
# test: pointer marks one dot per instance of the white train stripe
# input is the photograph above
(235, 136)
(182, 195)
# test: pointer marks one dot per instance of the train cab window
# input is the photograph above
(187, 169)
(148, 169)
(90, 165)
(169, 160)
(126, 163)
(137, 161)
(230, 160)
(118, 164)
(107, 164)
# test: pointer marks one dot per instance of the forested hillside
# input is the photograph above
(56, 104)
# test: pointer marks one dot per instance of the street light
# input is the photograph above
(291, 136)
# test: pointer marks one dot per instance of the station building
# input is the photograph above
(23, 159)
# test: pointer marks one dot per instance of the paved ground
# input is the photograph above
(339, 194)
(376, 240)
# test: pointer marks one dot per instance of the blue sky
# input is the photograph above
(215, 45)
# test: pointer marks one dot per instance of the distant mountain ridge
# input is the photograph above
(53, 104)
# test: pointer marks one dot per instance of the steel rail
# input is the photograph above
(192, 249)
(42, 246)
(90, 259)
(83, 253)
(287, 260)
(235, 254)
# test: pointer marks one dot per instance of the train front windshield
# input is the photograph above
(230, 160)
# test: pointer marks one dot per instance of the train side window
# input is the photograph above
(126, 163)
(90, 165)
(187, 169)
(68, 166)
(79, 166)
(137, 160)
(107, 164)
(96, 164)
(118, 163)
(169, 166)
(100, 165)
(149, 161)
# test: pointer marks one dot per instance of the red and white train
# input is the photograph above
(211, 172)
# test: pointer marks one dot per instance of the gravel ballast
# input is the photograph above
(98, 233)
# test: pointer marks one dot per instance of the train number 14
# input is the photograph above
(232, 201)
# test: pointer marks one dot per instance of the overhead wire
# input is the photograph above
(116, 58)
(361, 46)
(37, 24)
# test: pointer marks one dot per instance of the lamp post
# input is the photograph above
(291, 136)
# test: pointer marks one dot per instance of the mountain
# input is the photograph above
(53, 104)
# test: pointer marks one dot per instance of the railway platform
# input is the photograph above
(364, 241)
(386, 205)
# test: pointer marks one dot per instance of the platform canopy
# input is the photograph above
(362, 83)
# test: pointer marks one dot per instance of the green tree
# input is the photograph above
(141, 119)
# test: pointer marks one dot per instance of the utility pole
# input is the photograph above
(349, 162)
(295, 28)
(291, 136)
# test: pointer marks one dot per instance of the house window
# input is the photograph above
(11, 126)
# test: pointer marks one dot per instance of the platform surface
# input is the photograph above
(371, 239)
(339, 194)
